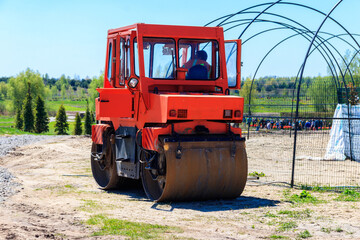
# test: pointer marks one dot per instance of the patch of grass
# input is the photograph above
(269, 214)
(318, 188)
(326, 230)
(286, 226)
(90, 206)
(68, 104)
(278, 237)
(256, 174)
(134, 230)
(296, 214)
(304, 197)
(339, 229)
(304, 234)
(12, 131)
(349, 196)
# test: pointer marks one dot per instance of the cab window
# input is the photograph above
(200, 57)
(159, 57)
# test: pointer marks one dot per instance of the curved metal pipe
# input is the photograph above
(299, 87)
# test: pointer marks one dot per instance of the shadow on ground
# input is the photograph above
(243, 202)
(218, 205)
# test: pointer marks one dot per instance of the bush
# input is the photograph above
(41, 117)
(61, 125)
(78, 128)
(28, 114)
(87, 124)
(19, 122)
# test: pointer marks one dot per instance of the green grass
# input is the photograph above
(303, 197)
(271, 215)
(7, 121)
(71, 128)
(134, 230)
(256, 174)
(349, 196)
(296, 214)
(69, 105)
(286, 226)
(11, 131)
(326, 230)
(278, 237)
(305, 234)
(317, 188)
(7, 129)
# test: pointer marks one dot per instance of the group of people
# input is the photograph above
(310, 124)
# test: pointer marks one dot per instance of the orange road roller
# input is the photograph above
(165, 114)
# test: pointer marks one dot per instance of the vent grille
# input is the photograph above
(182, 113)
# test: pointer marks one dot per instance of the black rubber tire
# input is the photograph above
(151, 187)
(105, 175)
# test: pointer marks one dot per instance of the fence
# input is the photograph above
(311, 137)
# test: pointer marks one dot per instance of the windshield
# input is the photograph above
(159, 57)
(200, 58)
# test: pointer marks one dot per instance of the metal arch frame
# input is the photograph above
(227, 17)
(286, 26)
(299, 32)
(299, 87)
(277, 15)
(296, 22)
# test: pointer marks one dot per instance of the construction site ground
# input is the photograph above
(57, 196)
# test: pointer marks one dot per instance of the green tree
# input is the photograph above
(28, 114)
(41, 117)
(87, 124)
(3, 90)
(61, 124)
(63, 92)
(323, 94)
(63, 81)
(78, 127)
(18, 88)
(19, 122)
(246, 91)
(54, 92)
(95, 83)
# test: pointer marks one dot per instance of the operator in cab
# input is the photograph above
(197, 67)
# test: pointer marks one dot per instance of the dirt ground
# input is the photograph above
(58, 194)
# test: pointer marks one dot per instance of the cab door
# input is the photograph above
(233, 63)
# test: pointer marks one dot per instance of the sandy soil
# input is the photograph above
(57, 187)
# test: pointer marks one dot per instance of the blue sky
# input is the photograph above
(69, 37)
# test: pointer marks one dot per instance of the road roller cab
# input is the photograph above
(165, 111)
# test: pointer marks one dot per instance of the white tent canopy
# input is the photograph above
(338, 147)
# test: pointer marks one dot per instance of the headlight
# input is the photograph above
(133, 83)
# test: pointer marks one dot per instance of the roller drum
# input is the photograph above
(206, 170)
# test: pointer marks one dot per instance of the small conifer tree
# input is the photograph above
(28, 114)
(61, 124)
(19, 122)
(87, 124)
(92, 116)
(41, 117)
(78, 127)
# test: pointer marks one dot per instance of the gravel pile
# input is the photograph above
(8, 144)
(6, 184)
